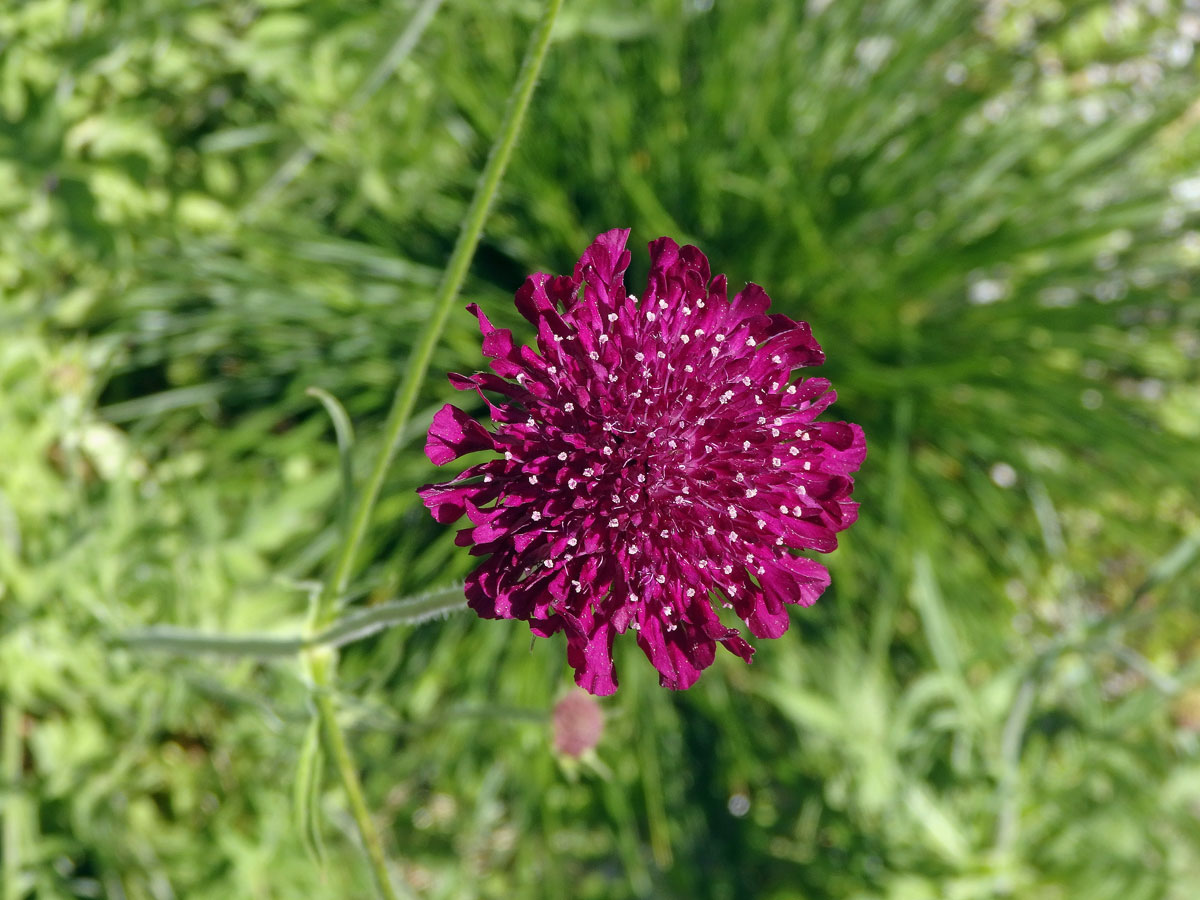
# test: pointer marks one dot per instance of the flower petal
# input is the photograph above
(453, 434)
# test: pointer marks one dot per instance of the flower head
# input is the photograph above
(655, 459)
(577, 723)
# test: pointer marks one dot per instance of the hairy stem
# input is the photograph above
(456, 272)
(405, 399)
(339, 752)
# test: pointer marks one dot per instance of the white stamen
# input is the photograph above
(568, 407)
(562, 457)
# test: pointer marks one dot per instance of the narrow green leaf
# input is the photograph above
(354, 626)
(364, 622)
(306, 790)
(927, 597)
(186, 642)
(345, 439)
(1180, 557)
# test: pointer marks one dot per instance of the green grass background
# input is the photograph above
(989, 213)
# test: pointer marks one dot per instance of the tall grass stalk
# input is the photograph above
(324, 674)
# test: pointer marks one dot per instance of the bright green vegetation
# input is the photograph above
(990, 214)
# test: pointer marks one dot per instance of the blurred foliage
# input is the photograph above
(990, 214)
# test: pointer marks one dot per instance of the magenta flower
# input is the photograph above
(656, 458)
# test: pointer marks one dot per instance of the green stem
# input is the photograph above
(335, 743)
(452, 280)
(10, 760)
(334, 588)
